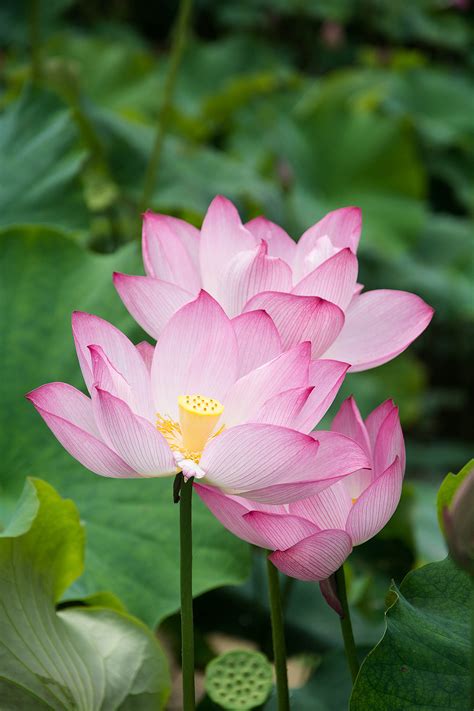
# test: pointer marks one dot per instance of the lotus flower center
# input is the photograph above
(198, 416)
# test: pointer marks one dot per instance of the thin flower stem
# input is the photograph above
(346, 624)
(472, 642)
(278, 634)
(34, 38)
(177, 47)
(186, 574)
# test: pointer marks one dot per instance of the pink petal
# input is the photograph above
(88, 449)
(230, 513)
(146, 351)
(257, 338)
(338, 455)
(301, 318)
(342, 227)
(374, 421)
(329, 592)
(150, 301)
(314, 558)
(284, 409)
(329, 509)
(349, 421)
(249, 273)
(325, 377)
(134, 438)
(108, 378)
(222, 237)
(379, 326)
(279, 531)
(389, 443)
(376, 505)
(279, 242)
(66, 402)
(165, 252)
(287, 371)
(197, 353)
(91, 330)
(250, 457)
(334, 280)
(284, 494)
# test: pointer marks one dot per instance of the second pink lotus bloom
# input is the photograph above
(311, 538)
(309, 288)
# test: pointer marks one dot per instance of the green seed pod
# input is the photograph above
(239, 680)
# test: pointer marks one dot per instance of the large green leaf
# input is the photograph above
(41, 159)
(131, 525)
(422, 661)
(84, 658)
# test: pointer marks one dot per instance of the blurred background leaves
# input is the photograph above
(290, 108)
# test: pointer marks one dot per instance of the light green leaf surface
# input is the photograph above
(422, 662)
(82, 658)
(39, 144)
(131, 525)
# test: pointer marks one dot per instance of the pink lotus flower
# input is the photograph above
(309, 289)
(312, 537)
(215, 399)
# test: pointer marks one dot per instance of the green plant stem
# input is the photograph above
(177, 47)
(34, 37)
(186, 575)
(472, 641)
(278, 634)
(346, 624)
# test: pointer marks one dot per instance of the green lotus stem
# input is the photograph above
(34, 37)
(346, 624)
(179, 40)
(186, 576)
(278, 635)
(472, 641)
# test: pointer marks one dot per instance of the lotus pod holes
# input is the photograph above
(239, 680)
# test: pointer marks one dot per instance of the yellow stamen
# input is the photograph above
(198, 416)
(354, 500)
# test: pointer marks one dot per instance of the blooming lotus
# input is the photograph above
(312, 537)
(216, 399)
(309, 288)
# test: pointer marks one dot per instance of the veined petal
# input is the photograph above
(222, 237)
(284, 408)
(325, 377)
(376, 505)
(338, 456)
(374, 421)
(146, 351)
(151, 302)
(279, 531)
(379, 326)
(301, 318)
(342, 227)
(253, 456)
(251, 272)
(230, 513)
(334, 280)
(66, 402)
(166, 243)
(91, 330)
(197, 353)
(349, 421)
(257, 338)
(314, 558)
(389, 443)
(279, 242)
(87, 448)
(329, 509)
(286, 371)
(134, 438)
(108, 378)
